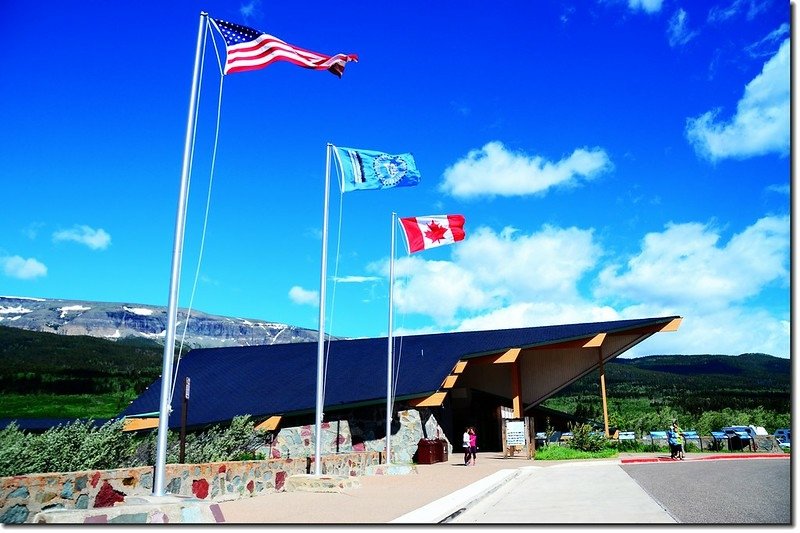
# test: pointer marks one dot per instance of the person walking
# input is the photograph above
(473, 445)
(681, 451)
(465, 444)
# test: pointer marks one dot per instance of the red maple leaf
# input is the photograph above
(435, 232)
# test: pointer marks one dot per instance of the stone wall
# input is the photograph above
(21, 497)
(338, 436)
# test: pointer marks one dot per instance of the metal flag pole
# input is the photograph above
(389, 350)
(321, 335)
(174, 283)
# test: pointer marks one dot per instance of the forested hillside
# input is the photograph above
(50, 375)
(701, 390)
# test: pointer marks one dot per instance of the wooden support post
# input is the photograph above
(516, 389)
(184, 415)
(603, 392)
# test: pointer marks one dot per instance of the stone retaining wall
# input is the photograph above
(21, 497)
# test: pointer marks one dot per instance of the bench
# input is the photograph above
(661, 435)
(692, 435)
(743, 436)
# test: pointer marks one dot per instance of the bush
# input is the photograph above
(585, 439)
(80, 445)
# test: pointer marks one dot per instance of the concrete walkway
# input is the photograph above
(452, 492)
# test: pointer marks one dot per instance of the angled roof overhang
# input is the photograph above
(529, 364)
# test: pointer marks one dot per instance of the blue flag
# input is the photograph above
(368, 169)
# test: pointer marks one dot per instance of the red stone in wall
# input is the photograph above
(223, 469)
(200, 488)
(107, 496)
(251, 486)
(95, 479)
(280, 478)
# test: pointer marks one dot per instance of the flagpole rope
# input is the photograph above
(335, 279)
(208, 201)
(216, 50)
(399, 357)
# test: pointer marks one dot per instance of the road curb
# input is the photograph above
(706, 458)
(448, 507)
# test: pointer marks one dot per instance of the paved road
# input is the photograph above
(709, 492)
(753, 491)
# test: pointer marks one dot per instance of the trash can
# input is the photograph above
(426, 452)
(442, 449)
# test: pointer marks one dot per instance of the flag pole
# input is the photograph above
(389, 350)
(321, 335)
(174, 283)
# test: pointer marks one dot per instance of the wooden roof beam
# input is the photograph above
(136, 424)
(270, 424)
(449, 382)
(596, 341)
(434, 400)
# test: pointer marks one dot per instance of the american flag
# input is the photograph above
(249, 49)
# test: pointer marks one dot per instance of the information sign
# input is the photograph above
(515, 433)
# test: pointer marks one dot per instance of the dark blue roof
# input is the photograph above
(281, 378)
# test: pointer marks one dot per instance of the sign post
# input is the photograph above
(184, 412)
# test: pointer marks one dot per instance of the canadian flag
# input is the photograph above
(432, 231)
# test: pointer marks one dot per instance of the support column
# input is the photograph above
(516, 389)
(603, 391)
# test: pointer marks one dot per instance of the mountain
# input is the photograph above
(695, 383)
(118, 321)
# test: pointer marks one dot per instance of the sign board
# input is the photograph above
(186, 387)
(515, 433)
(506, 412)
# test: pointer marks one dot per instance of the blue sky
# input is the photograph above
(613, 159)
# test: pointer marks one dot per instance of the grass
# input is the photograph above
(557, 453)
(63, 405)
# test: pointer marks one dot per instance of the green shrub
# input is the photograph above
(585, 439)
(81, 446)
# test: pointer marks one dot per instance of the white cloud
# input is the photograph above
(495, 171)
(250, 10)
(96, 239)
(722, 14)
(302, 296)
(21, 268)
(761, 123)
(493, 270)
(678, 30)
(767, 46)
(356, 279)
(779, 189)
(730, 331)
(32, 231)
(650, 6)
(526, 314)
(685, 264)
(509, 279)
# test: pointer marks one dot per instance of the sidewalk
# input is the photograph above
(437, 493)
(379, 499)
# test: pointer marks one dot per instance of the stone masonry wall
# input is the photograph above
(21, 497)
(338, 437)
